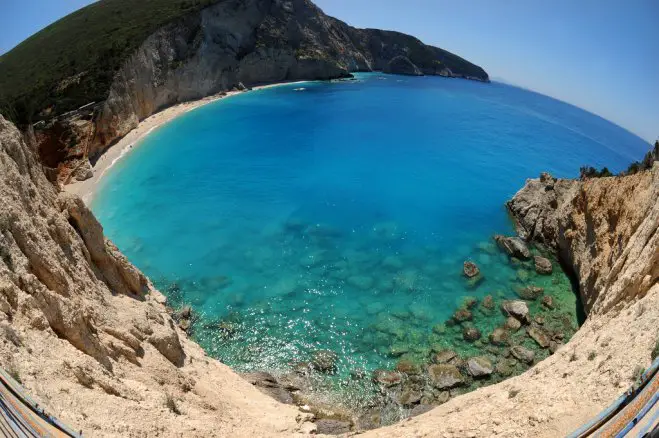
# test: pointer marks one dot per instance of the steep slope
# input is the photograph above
(85, 332)
(73, 61)
(607, 231)
(91, 340)
(143, 65)
(612, 246)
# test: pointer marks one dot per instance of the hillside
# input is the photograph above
(75, 60)
(72, 61)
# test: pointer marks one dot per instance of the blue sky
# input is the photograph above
(600, 55)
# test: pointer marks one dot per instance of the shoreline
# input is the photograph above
(87, 189)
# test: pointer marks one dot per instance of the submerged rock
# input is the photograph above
(471, 334)
(462, 315)
(409, 397)
(303, 368)
(362, 282)
(512, 324)
(439, 329)
(444, 376)
(488, 302)
(513, 246)
(479, 367)
(444, 356)
(469, 302)
(504, 368)
(408, 367)
(357, 374)
(470, 269)
(542, 265)
(399, 349)
(529, 293)
(548, 302)
(499, 336)
(523, 354)
(517, 309)
(392, 263)
(324, 361)
(539, 336)
(386, 378)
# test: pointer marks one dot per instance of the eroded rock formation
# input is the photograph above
(604, 229)
(607, 231)
(87, 334)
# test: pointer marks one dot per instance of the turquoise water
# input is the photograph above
(338, 216)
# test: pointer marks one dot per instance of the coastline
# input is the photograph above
(86, 189)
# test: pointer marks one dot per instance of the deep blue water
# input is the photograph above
(339, 216)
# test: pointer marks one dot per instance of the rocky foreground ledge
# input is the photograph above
(91, 340)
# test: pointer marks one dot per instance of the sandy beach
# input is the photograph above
(86, 189)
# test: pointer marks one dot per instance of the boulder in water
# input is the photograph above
(504, 368)
(444, 356)
(479, 367)
(513, 246)
(409, 396)
(523, 354)
(471, 334)
(542, 265)
(324, 361)
(499, 336)
(488, 302)
(539, 336)
(548, 302)
(444, 376)
(470, 269)
(517, 309)
(386, 378)
(408, 367)
(529, 293)
(512, 324)
(462, 315)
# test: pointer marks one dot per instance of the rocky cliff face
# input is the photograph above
(248, 42)
(86, 333)
(92, 341)
(604, 229)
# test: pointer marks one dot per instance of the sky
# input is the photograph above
(600, 55)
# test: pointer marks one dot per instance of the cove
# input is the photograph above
(337, 217)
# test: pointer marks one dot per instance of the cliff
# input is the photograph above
(606, 231)
(92, 341)
(143, 63)
(90, 338)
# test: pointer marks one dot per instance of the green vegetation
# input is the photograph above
(12, 370)
(170, 403)
(586, 172)
(590, 172)
(646, 163)
(72, 61)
